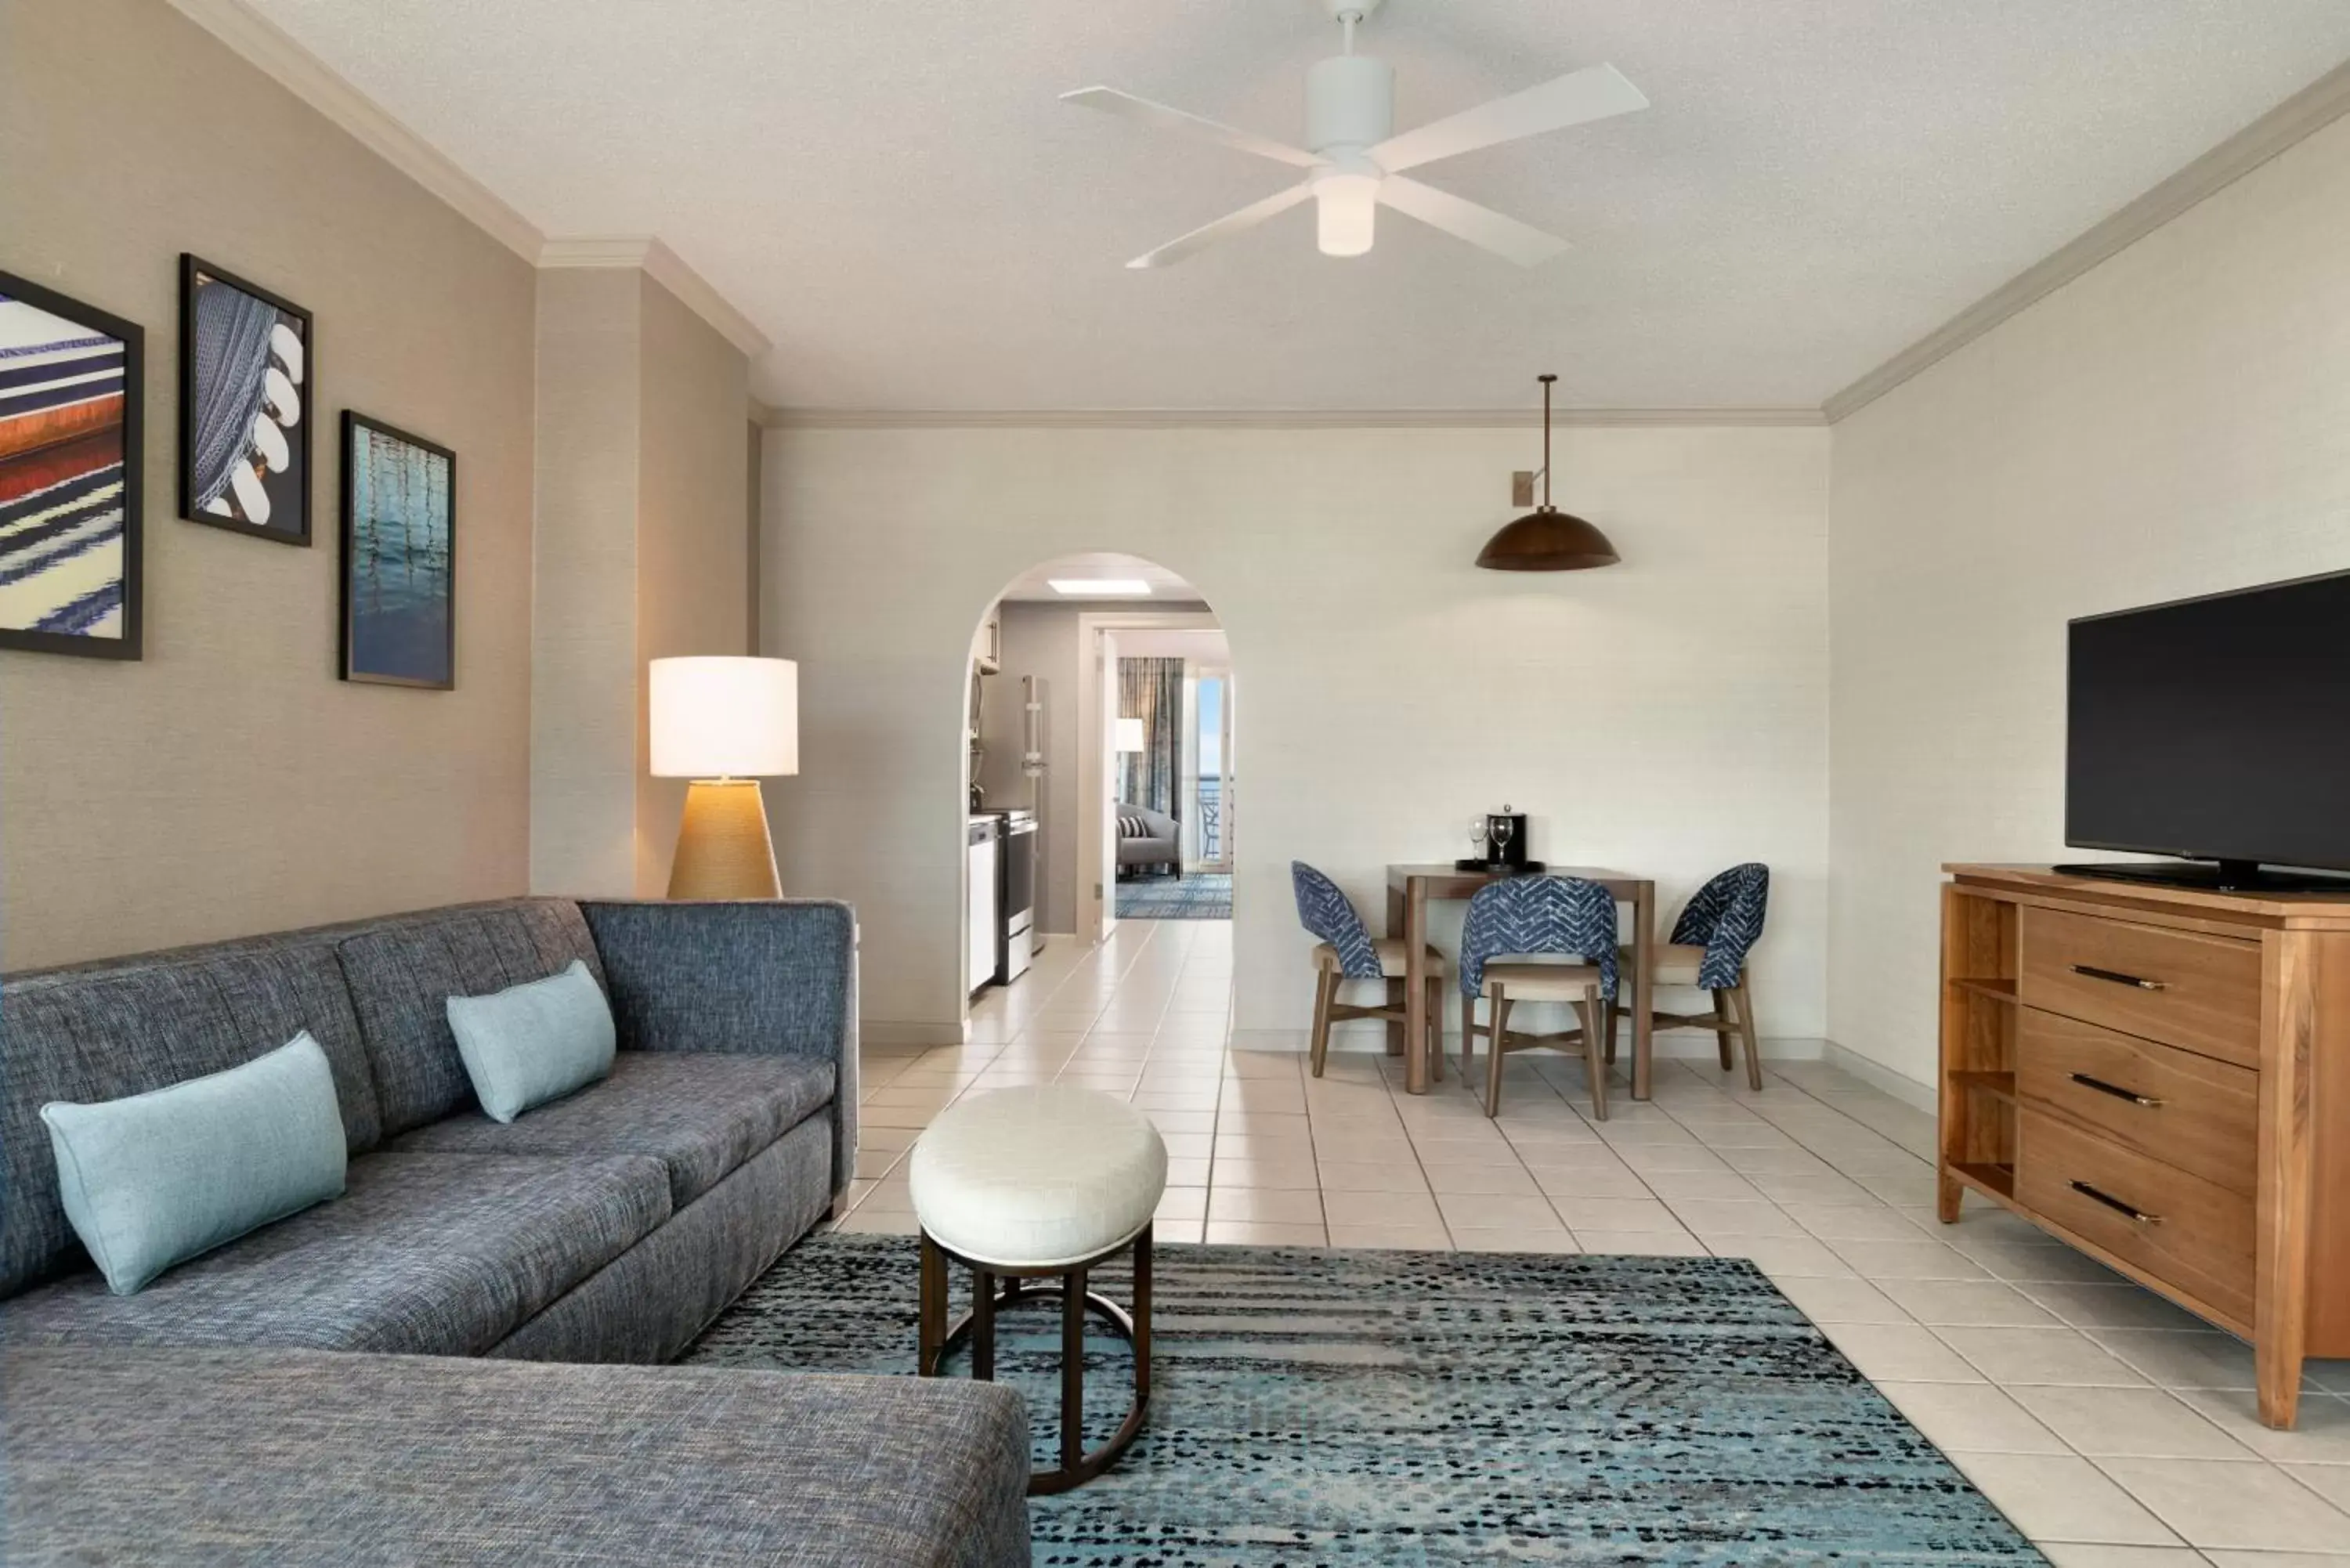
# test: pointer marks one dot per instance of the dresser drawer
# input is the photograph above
(2199, 992)
(2192, 1234)
(2186, 1110)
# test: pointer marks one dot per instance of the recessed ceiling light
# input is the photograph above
(1100, 587)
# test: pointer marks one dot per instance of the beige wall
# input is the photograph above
(230, 783)
(693, 528)
(1669, 714)
(2174, 422)
(644, 545)
(584, 750)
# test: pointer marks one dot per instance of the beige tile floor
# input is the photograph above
(2111, 1426)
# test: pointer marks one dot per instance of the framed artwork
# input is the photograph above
(400, 557)
(72, 390)
(247, 368)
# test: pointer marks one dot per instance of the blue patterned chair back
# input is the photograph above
(1539, 915)
(1326, 912)
(1724, 918)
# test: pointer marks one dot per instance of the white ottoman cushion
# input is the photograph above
(1037, 1178)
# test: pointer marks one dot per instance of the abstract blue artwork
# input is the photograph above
(399, 607)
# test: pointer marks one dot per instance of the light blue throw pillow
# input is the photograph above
(534, 1043)
(160, 1178)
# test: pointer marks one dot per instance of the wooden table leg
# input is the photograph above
(1396, 923)
(1644, 984)
(1415, 991)
(1073, 1369)
(931, 1332)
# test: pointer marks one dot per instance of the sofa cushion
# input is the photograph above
(157, 1179)
(702, 1115)
(403, 973)
(535, 1041)
(106, 1031)
(292, 1456)
(431, 1254)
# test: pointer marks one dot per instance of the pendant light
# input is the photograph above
(1547, 539)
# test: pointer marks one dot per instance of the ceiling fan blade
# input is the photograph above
(1575, 99)
(1480, 226)
(1110, 100)
(1231, 223)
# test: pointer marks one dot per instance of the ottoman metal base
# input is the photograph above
(938, 1339)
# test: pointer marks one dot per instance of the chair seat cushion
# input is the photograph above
(1037, 1177)
(1542, 981)
(700, 1113)
(1677, 963)
(423, 1254)
(1395, 956)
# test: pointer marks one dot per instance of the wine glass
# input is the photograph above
(1479, 850)
(1502, 827)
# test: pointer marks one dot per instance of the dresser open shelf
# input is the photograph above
(2160, 1077)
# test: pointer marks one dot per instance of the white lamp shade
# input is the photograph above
(1129, 735)
(726, 718)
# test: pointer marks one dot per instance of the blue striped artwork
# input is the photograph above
(67, 501)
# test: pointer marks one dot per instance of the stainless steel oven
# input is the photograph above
(1015, 881)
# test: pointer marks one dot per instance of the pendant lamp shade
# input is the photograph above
(1547, 539)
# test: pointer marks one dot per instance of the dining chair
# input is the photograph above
(1349, 951)
(1708, 951)
(1533, 918)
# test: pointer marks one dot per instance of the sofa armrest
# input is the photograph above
(773, 977)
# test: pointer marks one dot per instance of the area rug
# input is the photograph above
(1201, 896)
(1313, 1405)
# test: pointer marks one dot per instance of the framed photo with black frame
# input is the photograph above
(72, 390)
(400, 557)
(248, 365)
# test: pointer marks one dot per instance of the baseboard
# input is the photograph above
(1672, 1046)
(1876, 1075)
(888, 1033)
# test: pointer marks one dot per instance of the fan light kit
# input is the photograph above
(1354, 162)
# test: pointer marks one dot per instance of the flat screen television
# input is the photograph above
(2215, 729)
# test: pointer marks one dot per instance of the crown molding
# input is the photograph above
(1267, 419)
(272, 50)
(268, 47)
(666, 267)
(2308, 111)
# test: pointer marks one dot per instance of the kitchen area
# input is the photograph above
(1003, 843)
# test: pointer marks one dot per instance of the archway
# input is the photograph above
(1092, 834)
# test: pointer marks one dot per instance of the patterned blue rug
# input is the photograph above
(1384, 1408)
(1201, 896)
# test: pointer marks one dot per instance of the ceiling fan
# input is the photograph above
(1354, 162)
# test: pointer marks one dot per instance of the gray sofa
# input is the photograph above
(1160, 845)
(611, 1226)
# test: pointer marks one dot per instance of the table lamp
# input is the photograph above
(1129, 736)
(724, 724)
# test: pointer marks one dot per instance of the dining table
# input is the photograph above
(1411, 886)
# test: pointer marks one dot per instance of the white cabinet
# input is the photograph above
(980, 933)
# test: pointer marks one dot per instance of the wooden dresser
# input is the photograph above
(2161, 1076)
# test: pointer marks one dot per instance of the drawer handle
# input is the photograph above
(2118, 978)
(2116, 1090)
(2138, 1216)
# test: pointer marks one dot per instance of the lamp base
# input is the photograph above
(722, 848)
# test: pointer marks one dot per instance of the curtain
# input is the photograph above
(1151, 689)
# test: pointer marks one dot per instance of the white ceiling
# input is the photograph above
(1166, 588)
(893, 193)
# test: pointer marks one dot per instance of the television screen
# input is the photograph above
(2217, 728)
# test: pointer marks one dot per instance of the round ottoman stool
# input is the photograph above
(1039, 1183)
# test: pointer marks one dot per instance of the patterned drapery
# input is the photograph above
(1151, 689)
